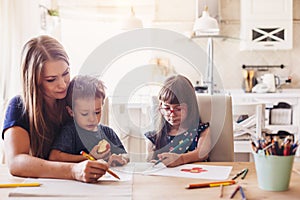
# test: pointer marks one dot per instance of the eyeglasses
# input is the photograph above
(168, 110)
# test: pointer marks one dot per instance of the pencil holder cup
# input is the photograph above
(273, 172)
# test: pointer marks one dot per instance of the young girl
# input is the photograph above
(33, 119)
(178, 119)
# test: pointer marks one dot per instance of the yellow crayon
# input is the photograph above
(9, 185)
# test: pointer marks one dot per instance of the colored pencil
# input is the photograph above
(88, 156)
(210, 184)
(10, 185)
(239, 173)
(221, 190)
(234, 192)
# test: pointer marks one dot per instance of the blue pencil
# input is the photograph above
(294, 148)
(242, 193)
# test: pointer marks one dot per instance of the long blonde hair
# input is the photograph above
(43, 122)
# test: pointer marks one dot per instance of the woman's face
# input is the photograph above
(55, 79)
(174, 114)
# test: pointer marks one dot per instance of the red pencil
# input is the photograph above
(235, 191)
(287, 148)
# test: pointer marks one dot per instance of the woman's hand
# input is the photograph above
(89, 171)
(118, 160)
(171, 159)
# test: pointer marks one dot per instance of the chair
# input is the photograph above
(217, 110)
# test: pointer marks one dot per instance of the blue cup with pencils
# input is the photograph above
(273, 166)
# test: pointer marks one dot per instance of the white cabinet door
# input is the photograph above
(266, 24)
(266, 9)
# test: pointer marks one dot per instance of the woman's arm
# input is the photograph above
(21, 163)
(57, 155)
(199, 154)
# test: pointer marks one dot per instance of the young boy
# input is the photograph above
(85, 99)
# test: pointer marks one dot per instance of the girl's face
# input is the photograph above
(55, 80)
(174, 114)
(87, 112)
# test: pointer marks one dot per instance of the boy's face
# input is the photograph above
(87, 112)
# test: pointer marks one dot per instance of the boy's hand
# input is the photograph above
(105, 155)
(103, 146)
(118, 160)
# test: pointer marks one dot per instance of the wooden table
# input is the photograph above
(158, 187)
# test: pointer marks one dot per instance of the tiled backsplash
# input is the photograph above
(229, 59)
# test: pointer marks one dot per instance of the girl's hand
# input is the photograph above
(171, 159)
(105, 155)
(89, 171)
(117, 160)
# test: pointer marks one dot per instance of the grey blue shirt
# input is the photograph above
(73, 139)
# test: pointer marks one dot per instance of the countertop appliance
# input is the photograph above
(271, 81)
(274, 81)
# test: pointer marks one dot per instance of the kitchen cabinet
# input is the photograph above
(266, 25)
(290, 96)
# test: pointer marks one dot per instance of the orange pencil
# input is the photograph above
(88, 156)
(210, 184)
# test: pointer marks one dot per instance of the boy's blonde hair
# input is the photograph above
(85, 86)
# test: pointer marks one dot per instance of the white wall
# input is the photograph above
(228, 58)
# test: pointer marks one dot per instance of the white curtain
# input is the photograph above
(19, 21)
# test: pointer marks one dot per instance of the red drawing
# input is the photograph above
(194, 170)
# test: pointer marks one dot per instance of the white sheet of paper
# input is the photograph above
(213, 172)
(105, 189)
(139, 168)
(123, 176)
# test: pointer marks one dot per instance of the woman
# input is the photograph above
(178, 120)
(33, 119)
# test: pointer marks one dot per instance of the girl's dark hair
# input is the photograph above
(177, 89)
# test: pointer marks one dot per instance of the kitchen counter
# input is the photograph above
(279, 93)
(290, 96)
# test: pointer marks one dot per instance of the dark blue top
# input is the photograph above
(173, 141)
(14, 115)
(73, 139)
